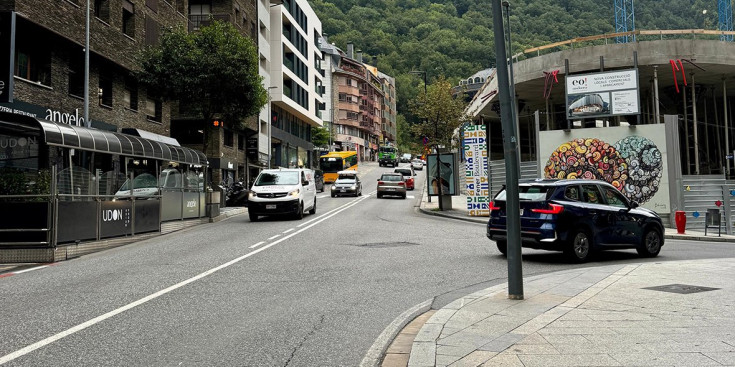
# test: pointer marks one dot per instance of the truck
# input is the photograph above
(387, 155)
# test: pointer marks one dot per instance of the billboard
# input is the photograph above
(446, 174)
(476, 178)
(602, 94)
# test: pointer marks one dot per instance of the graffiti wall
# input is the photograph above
(631, 159)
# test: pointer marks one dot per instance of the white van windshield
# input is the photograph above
(277, 178)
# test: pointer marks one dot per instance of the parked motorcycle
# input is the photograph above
(237, 194)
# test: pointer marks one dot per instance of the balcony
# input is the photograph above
(203, 20)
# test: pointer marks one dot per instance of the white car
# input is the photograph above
(282, 192)
(417, 164)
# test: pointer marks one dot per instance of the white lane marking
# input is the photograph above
(322, 196)
(272, 237)
(410, 196)
(289, 230)
(31, 269)
(39, 344)
(257, 244)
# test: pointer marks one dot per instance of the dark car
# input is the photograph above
(319, 180)
(578, 217)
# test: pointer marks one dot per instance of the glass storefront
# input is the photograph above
(79, 184)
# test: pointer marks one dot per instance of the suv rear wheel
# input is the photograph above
(580, 248)
(502, 247)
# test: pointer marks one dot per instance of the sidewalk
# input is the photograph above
(649, 314)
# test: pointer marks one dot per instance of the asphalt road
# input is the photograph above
(315, 292)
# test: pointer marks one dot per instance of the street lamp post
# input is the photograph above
(270, 122)
(436, 131)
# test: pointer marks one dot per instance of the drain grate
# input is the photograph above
(681, 288)
(385, 244)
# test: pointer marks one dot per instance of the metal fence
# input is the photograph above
(703, 192)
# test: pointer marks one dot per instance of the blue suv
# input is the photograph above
(578, 217)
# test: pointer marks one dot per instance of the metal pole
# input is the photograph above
(270, 123)
(717, 129)
(694, 121)
(510, 148)
(657, 112)
(727, 135)
(686, 131)
(514, 111)
(86, 71)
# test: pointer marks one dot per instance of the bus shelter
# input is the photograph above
(62, 185)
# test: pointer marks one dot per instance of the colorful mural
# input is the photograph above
(634, 165)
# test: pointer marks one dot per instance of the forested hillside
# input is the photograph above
(455, 39)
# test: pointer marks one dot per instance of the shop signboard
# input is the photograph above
(476, 178)
(613, 93)
(116, 218)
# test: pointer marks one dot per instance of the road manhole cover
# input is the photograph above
(386, 244)
(681, 288)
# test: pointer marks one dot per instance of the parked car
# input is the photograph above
(417, 164)
(319, 180)
(391, 184)
(347, 183)
(408, 174)
(578, 217)
(282, 192)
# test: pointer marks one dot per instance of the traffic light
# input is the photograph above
(217, 123)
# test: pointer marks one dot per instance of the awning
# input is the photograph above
(151, 136)
(78, 137)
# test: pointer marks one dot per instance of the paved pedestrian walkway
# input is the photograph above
(646, 314)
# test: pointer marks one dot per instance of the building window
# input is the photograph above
(240, 142)
(105, 91)
(102, 10)
(33, 65)
(152, 30)
(228, 138)
(153, 109)
(76, 75)
(130, 97)
(128, 18)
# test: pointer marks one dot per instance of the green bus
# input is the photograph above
(388, 155)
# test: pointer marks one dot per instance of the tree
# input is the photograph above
(440, 113)
(320, 136)
(213, 72)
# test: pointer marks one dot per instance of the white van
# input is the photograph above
(282, 192)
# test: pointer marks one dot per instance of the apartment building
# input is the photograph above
(43, 64)
(291, 65)
(362, 110)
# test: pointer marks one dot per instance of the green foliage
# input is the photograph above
(455, 37)
(212, 72)
(320, 136)
(440, 113)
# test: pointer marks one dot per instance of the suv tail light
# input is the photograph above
(381, 183)
(554, 209)
(492, 206)
(401, 183)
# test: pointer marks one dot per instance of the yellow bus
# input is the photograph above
(333, 162)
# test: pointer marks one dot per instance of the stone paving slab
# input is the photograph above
(609, 319)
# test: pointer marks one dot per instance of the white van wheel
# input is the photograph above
(313, 208)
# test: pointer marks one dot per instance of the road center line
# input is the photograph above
(272, 237)
(289, 230)
(39, 344)
(257, 244)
